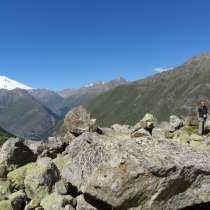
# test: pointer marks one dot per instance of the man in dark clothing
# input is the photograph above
(202, 115)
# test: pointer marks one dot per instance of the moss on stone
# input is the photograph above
(17, 176)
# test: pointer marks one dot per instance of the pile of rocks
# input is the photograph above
(121, 168)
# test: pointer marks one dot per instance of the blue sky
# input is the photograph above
(68, 43)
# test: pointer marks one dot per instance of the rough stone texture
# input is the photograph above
(5, 189)
(36, 146)
(158, 133)
(6, 205)
(55, 201)
(146, 173)
(78, 121)
(55, 145)
(40, 179)
(61, 188)
(18, 200)
(14, 153)
(140, 133)
(17, 176)
(82, 204)
(175, 123)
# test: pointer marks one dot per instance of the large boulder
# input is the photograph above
(18, 175)
(40, 179)
(78, 121)
(145, 173)
(14, 153)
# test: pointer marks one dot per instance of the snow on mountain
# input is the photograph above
(9, 84)
(94, 84)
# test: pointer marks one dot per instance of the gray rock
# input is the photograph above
(55, 145)
(40, 179)
(78, 121)
(18, 200)
(5, 189)
(140, 133)
(69, 207)
(82, 204)
(148, 173)
(56, 202)
(36, 146)
(175, 123)
(14, 153)
(61, 188)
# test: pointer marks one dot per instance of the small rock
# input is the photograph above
(60, 188)
(5, 189)
(140, 133)
(175, 123)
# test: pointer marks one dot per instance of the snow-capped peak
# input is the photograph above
(9, 84)
(95, 84)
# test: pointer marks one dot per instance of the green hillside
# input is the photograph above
(22, 115)
(173, 92)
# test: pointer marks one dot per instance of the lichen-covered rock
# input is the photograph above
(18, 200)
(148, 118)
(6, 205)
(175, 123)
(40, 179)
(182, 136)
(55, 146)
(55, 201)
(5, 189)
(196, 137)
(82, 204)
(14, 153)
(61, 188)
(140, 133)
(78, 121)
(36, 146)
(17, 176)
(60, 161)
(148, 173)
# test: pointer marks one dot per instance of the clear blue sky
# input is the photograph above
(67, 43)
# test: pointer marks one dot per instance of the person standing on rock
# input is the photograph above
(202, 115)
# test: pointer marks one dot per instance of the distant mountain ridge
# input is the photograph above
(22, 115)
(10, 84)
(175, 91)
(96, 87)
(32, 113)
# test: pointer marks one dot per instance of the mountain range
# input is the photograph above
(36, 113)
(176, 91)
(33, 113)
(10, 84)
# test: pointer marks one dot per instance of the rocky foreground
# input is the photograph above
(121, 168)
